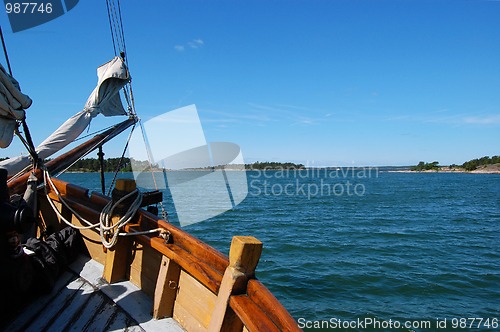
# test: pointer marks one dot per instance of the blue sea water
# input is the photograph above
(350, 245)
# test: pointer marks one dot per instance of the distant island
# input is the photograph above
(273, 166)
(480, 165)
(110, 165)
(125, 165)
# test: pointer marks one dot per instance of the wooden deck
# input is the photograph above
(82, 301)
(193, 285)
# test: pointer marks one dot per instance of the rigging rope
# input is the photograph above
(111, 26)
(122, 31)
(150, 164)
(32, 149)
(90, 149)
(121, 160)
(93, 133)
(116, 26)
(5, 51)
(28, 141)
(120, 48)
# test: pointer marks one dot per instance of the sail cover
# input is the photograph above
(105, 99)
(12, 105)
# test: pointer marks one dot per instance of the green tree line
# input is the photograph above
(273, 165)
(93, 165)
(112, 164)
(468, 165)
(423, 166)
(475, 163)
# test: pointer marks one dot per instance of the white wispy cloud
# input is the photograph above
(270, 114)
(452, 119)
(193, 44)
(305, 121)
(237, 117)
(196, 43)
(482, 120)
(293, 114)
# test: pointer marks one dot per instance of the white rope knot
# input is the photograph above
(106, 228)
(165, 234)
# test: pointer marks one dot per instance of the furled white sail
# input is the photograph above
(12, 105)
(105, 99)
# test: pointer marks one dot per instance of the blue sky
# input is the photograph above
(337, 82)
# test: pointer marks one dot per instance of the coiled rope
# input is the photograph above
(107, 228)
(104, 226)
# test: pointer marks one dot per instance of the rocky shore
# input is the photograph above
(483, 169)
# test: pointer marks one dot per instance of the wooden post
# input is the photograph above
(116, 265)
(167, 284)
(244, 255)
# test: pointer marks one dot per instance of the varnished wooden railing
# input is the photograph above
(240, 298)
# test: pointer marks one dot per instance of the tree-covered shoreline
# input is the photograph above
(273, 166)
(125, 165)
(475, 163)
(114, 164)
(93, 165)
(468, 166)
(423, 166)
